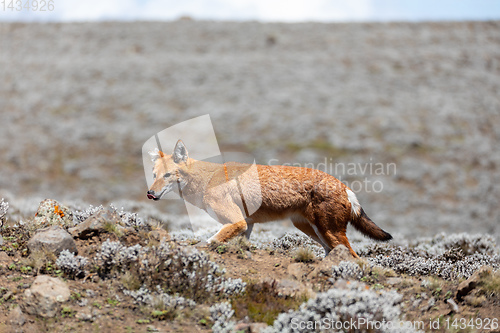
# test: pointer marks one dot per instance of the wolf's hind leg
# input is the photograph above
(249, 230)
(303, 225)
(335, 238)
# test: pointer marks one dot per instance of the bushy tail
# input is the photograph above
(365, 225)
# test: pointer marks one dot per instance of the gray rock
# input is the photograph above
(394, 281)
(249, 327)
(54, 239)
(85, 315)
(16, 317)
(4, 258)
(257, 327)
(339, 253)
(45, 296)
(292, 288)
(453, 306)
(297, 270)
(430, 303)
(94, 224)
(51, 212)
(324, 267)
(289, 285)
(90, 293)
(7, 295)
(83, 302)
(162, 234)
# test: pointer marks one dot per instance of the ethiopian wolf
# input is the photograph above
(239, 195)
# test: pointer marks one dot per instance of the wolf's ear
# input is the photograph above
(155, 154)
(180, 153)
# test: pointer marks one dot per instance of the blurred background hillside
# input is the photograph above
(78, 100)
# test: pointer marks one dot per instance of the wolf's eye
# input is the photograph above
(154, 175)
(167, 175)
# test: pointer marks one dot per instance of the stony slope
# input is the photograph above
(126, 273)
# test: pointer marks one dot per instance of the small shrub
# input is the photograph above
(80, 216)
(128, 219)
(165, 306)
(4, 207)
(347, 270)
(345, 302)
(142, 295)
(221, 249)
(115, 256)
(107, 258)
(112, 302)
(25, 269)
(188, 272)
(76, 296)
(221, 313)
(168, 314)
(73, 266)
(293, 240)
(67, 312)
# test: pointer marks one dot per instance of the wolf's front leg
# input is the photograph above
(229, 231)
(230, 214)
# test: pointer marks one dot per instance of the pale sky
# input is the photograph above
(258, 10)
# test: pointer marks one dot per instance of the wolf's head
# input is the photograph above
(166, 170)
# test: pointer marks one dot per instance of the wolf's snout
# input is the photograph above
(151, 195)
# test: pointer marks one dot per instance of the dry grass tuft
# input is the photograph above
(41, 260)
(304, 254)
(130, 280)
(236, 245)
(262, 302)
(489, 284)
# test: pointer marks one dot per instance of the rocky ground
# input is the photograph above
(104, 269)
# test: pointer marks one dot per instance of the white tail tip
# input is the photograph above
(355, 206)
